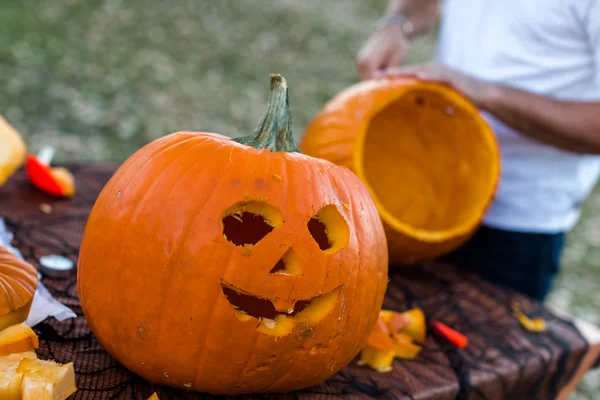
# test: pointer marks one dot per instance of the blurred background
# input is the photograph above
(99, 79)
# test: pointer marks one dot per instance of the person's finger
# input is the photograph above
(378, 74)
(365, 68)
(396, 59)
(368, 61)
(408, 70)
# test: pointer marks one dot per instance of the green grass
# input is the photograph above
(99, 79)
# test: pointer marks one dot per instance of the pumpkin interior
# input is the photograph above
(275, 322)
(246, 223)
(427, 163)
(329, 229)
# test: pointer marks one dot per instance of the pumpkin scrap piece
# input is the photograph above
(46, 380)
(18, 338)
(379, 352)
(454, 337)
(410, 323)
(154, 397)
(12, 150)
(10, 380)
(56, 181)
(537, 325)
(396, 321)
(416, 327)
(381, 326)
(394, 335)
(532, 325)
(404, 346)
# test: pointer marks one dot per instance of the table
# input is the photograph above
(502, 359)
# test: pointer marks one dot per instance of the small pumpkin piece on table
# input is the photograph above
(398, 322)
(379, 352)
(394, 335)
(154, 397)
(12, 150)
(20, 281)
(10, 380)
(18, 338)
(404, 346)
(416, 326)
(46, 380)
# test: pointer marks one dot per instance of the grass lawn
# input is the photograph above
(99, 79)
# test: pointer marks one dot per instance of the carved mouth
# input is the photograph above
(274, 322)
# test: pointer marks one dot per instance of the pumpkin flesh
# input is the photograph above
(428, 158)
(10, 379)
(15, 317)
(18, 338)
(46, 380)
(12, 150)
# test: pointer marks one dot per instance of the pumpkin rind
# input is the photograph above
(18, 338)
(156, 265)
(12, 150)
(18, 282)
(438, 168)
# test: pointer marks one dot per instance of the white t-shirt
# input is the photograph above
(548, 47)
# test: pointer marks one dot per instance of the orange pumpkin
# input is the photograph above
(12, 150)
(233, 266)
(19, 281)
(429, 159)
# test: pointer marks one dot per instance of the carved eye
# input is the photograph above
(247, 223)
(329, 229)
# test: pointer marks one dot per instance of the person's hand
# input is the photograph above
(387, 48)
(474, 89)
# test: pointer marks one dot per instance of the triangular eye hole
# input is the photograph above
(247, 223)
(329, 229)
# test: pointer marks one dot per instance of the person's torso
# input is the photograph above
(540, 46)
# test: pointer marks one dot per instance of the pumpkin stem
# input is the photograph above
(274, 131)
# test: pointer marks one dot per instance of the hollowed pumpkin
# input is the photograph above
(233, 266)
(429, 159)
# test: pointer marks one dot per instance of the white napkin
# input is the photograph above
(44, 305)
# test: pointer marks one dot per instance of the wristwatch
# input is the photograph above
(405, 24)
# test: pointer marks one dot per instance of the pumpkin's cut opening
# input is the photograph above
(246, 223)
(318, 231)
(329, 229)
(288, 265)
(427, 165)
(274, 322)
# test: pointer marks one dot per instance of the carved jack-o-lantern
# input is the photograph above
(233, 266)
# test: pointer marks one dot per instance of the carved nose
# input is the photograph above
(288, 265)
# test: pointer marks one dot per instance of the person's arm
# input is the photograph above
(569, 125)
(388, 46)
